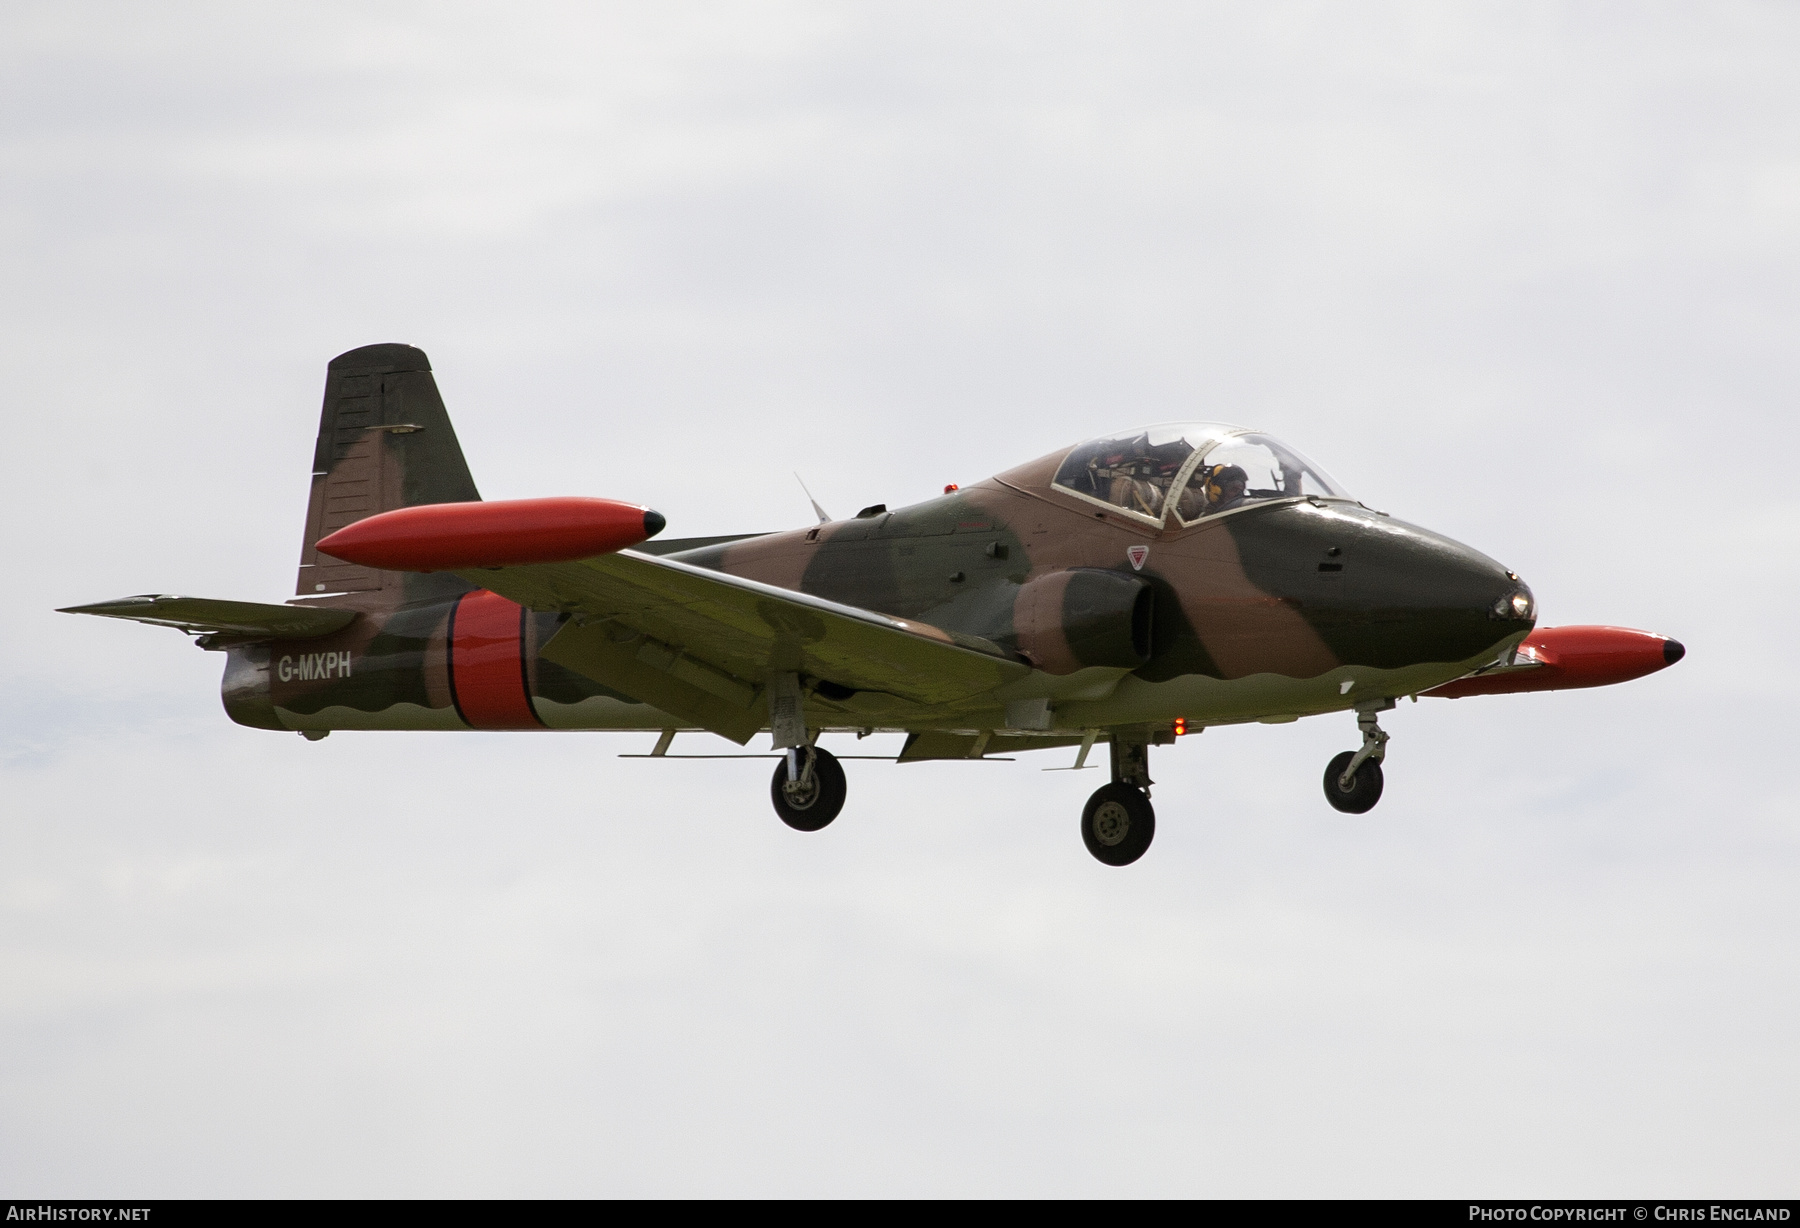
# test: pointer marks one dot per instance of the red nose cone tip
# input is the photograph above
(1673, 651)
(505, 533)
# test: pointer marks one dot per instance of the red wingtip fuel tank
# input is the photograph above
(1566, 658)
(508, 532)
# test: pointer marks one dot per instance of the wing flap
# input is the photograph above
(945, 744)
(206, 616)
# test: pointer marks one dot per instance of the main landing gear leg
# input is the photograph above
(1353, 778)
(808, 788)
(1118, 823)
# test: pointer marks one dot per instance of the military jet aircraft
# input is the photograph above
(1121, 592)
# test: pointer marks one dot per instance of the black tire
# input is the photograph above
(1117, 824)
(1365, 786)
(811, 811)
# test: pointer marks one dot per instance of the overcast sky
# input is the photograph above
(1522, 273)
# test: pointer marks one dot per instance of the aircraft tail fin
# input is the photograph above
(385, 442)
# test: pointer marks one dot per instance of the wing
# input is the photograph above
(701, 644)
(203, 615)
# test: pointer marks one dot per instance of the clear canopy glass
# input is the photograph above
(1135, 470)
(1211, 468)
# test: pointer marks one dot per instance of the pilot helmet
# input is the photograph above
(1221, 476)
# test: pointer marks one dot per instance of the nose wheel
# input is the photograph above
(1353, 778)
(1117, 824)
(808, 789)
(1363, 789)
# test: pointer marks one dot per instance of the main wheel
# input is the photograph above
(1365, 786)
(812, 806)
(1117, 824)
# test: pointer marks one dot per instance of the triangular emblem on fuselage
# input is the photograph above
(1137, 555)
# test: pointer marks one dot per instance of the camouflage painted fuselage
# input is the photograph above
(1276, 610)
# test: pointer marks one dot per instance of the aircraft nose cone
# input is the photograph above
(1437, 599)
(1673, 651)
(654, 523)
(1378, 591)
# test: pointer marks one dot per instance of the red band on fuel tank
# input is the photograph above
(487, 662)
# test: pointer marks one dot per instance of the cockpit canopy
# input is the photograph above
(1194, 469)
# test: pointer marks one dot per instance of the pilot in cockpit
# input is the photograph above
(1136, 471)
(1217, 488)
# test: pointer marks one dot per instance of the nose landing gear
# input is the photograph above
(1118, 822)
(1353, 778)
(809, 788)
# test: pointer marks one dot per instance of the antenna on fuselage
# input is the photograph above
(824, 517)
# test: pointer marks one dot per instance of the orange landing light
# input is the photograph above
(1180, 726)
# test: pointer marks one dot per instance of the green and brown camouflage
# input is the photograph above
(1123, 590)
(385, 441)
(1265, 612)
(1052, 610)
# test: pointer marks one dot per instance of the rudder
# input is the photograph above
(385, 441)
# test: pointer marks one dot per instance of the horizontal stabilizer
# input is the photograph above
(202, 615)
